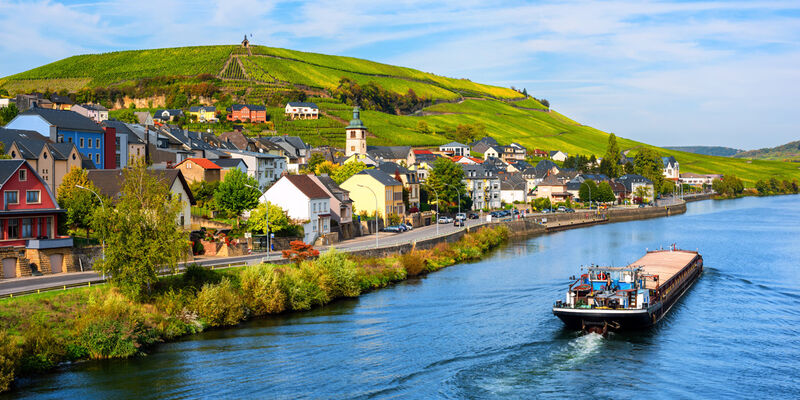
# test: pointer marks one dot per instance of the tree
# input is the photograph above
(648, 164)
(8, 113)
(299, 252)
(141, 233)
(423, 128)
(127, 115)
(667, 186)
(234, 195)
(610, 163)
(446, 179)
(347, 170)
(642, 193)
(525, 92)
(279, 222)
(730, 186)
(203, 192)
(466, 133)
(315, 160)
(80, 204)
(605, 194)
(326, 167)
(588, 191)
(541, 203)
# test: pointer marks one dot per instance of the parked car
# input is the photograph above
(642, 205)
(461, 216)
(569, 210)
(562, 209)
(402, 227)
(392, 228)
(408, 226)
(445, 219)
(458, 222)
(473, 216)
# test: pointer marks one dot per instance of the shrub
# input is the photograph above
(112, 327)
(175, 319)
(10, 355)
(301, 289)
(219, 305)
(413, 262)
(42, 349)
(261, 290)
(197, 276)
(339, 275)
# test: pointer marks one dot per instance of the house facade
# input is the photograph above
(266, 168)
(305, 202)
(247, 112)
(204, 113)
(168, 115)
(69, 127)
(50, 160)
(553, 188)
(96, 112)
(28, 221)
(301, 110)
(455, 149)
(482, 184)
(672, 170)
(376, 193)
(514, 151)
(558, 155)
(698, 179)
(199, 169)
(633, 182)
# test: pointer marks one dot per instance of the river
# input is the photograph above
(485, 330)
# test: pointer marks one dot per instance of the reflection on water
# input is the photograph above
(485, 330)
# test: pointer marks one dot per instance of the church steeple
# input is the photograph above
(356, 132)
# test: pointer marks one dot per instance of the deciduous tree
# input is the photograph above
(80, 204)
(279, 221)
(648, 164)
(237, 193)
(446, 179)
(347, 170)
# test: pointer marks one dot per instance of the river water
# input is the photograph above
(485, 330)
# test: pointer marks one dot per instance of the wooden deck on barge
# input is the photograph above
(665, 264)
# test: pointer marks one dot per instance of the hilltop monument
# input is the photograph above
(245, 42)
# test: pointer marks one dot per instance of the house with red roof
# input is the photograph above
(466, 160)
(199, 169)
(29, 241)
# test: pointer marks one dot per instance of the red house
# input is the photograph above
(247, 112)
(29, 241)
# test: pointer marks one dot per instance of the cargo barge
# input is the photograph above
(632, 297)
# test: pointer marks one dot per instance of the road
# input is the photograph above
(24, 284)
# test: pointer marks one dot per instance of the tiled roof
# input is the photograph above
(389, 152)
(63, 119)
(206, 108)
(202, 162)
(7, 168)
(307, 186)
(453, 144)
(226, 163)
(110, 181)
(302, 104)
(251, 107)
(382, 177)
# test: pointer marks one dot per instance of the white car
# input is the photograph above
(445, 220)
(461, 216)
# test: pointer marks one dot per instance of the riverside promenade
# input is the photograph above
(387, 243)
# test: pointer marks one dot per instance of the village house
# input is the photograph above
(199, 169)
(487, 150)
(70, 127)
(466, 160)
(540, 153)
(226, 165)
(204, 113)
(50, 160)
(514, 151)
(408, 178)
(30, 243)
(455, 149)
(553, 188)
(96, 112)
(482, 185)
(698, 179)
(373, 188)
(632, 182)
(305, 202)
(558, 155)
(247, 112)
(62, 102)
(128, 145)
(513, 188)
(266, 168)
(672, 170)
(296, 149)
(168, 115)
(111, 181)
(301, 110)
(396, 154)
(534, 176)
(341, 206)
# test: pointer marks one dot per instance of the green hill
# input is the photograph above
(270, 76)
(787, 152)
(707, 150)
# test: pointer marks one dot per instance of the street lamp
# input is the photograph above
(376, 211)
(436, 221)
(104, 210)
(458, 189)
(266, 204)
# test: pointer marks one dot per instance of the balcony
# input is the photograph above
(49, 243)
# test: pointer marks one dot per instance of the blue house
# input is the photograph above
(62, 126)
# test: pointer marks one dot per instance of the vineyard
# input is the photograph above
(233, 71)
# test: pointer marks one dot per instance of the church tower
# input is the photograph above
(356, 135)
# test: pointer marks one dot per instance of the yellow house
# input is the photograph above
(370, 186)
(204, 113)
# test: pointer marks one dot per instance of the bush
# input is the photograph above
(197, 276)
(112, 327)
(413, 262)
(219, 305)
(42, 349)
(261, 290)
(301, 287)
(10, 355)
(339, 276)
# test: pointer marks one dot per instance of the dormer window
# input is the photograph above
(23, 175)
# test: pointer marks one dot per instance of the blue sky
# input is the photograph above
(663, 72)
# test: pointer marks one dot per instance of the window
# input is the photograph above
(12, 232)
(23, 175)
(49, 226)
(97, 143)
(27, 228)
(12, 197)
(32, 197)
(69, 140)
(81, 142)
(117, 144)
(352, 134)
(119, 163)
(97, 158)
(90, 143)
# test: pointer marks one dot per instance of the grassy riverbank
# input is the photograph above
(38, 332)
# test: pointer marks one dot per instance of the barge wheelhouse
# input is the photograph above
(631, 297)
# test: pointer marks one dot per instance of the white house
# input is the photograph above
(672, 170)
(301, 110)
(558, 155)
(266, 168)
(305, 202)
(455, 149)
(94, 111)
(698, 179)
